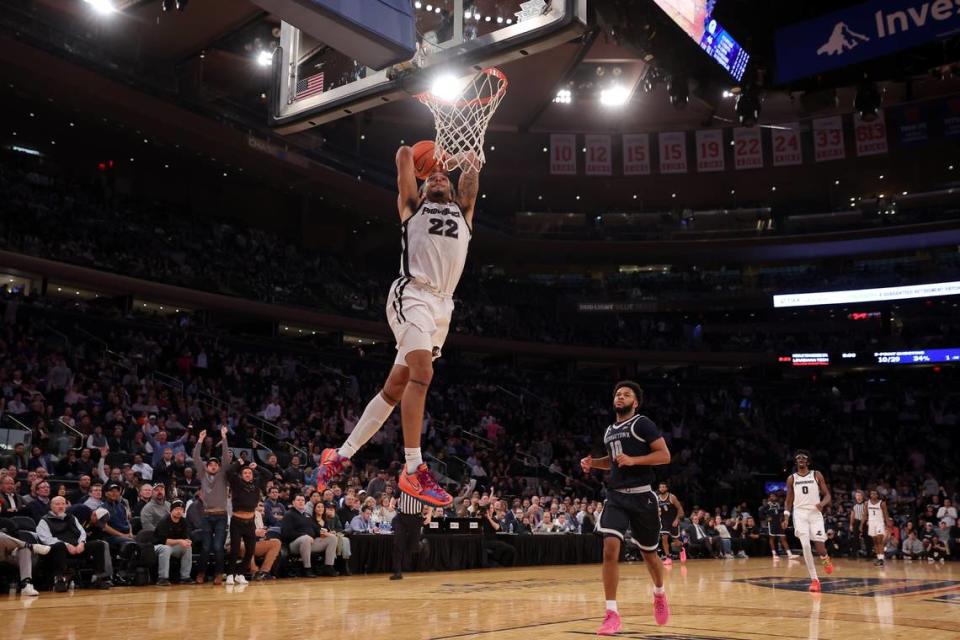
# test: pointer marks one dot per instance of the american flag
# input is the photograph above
(309, 86)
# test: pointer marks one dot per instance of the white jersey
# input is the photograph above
(434, 248)
(875, 513)
(806, 491)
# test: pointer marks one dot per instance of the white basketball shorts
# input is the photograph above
(419, 319)
(876, 529)
(808, 523)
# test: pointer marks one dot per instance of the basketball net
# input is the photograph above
(461, 122)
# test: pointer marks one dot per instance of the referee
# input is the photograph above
(858, 518)
(408, 525)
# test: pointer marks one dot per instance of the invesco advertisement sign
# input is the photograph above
(862, 32)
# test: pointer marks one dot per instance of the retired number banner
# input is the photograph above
(636, 154)
(747, 148)
(563, 154)
(673, 152)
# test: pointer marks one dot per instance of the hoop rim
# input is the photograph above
(459, 103)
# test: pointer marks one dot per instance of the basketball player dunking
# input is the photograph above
(671, 513)
(804, 491)
(634, 445)
(876, 528)
(437, 224)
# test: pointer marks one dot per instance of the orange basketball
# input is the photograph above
(423, 161)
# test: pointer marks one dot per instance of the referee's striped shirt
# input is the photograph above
(409, 504)
(859, 510)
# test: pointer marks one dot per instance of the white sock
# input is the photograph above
(612, 606)
(659, 591)
(808, 558)
(374, 415)
(414, 458)
(879, 556)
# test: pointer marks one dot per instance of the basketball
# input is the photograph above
(423, 161)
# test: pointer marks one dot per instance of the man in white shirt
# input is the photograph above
(948, 513)
(141, 467)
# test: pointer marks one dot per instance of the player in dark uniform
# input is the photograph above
(671, 513)
(771, 515)
(634, 446)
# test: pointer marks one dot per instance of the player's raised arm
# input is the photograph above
(467, 190)
(409, 198)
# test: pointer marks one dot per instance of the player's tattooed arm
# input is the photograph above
(467, 189)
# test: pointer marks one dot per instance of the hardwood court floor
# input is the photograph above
(709, 600)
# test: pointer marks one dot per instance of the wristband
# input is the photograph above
(786, 513)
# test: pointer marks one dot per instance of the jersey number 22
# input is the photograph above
(437, 224)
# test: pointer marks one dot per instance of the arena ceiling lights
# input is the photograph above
(103, 7)
(854, 296)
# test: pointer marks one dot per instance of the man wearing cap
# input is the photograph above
(155, 510)
(116, 524)
(213, 494)
(172, 537)
(67, 538)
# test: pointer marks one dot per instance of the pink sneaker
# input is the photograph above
(331, 465)
(661, 610)
(611, 624)
(668, 561)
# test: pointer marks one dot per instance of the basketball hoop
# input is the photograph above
(461, 121)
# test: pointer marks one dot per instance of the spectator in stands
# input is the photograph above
(213, 495)
(273, 509)
(97, 440)
(245, 495)
(700, 544)
(547, 525)
(41, 460)
(913, 548)
(144, 495)
(66, 537)
(333, 523)
(362, 523)
(947, 513)
(172, 537)
(95, 499)
(155, 510)
(11, 503)
(20, 553)
(294, 474)
(724, 539)
(116, 525)
(497, 552)
(266, 548)
(378, 484)
(159, 444)
(350, 509)
(40, 504)
(82, 492)
(300, 531)
(141, 467)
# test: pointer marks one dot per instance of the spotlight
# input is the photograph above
(867, 101)
(678, 91)
(264, 58)
(103, 7)
(748, 107)
(182, 4)
(615, 96)
(564, 96)
(446, 87)
(166, 5)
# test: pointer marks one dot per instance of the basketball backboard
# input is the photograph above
(314, 84)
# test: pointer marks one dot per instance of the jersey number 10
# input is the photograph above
(616, 448)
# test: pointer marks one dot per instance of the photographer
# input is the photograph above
(491, 512)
